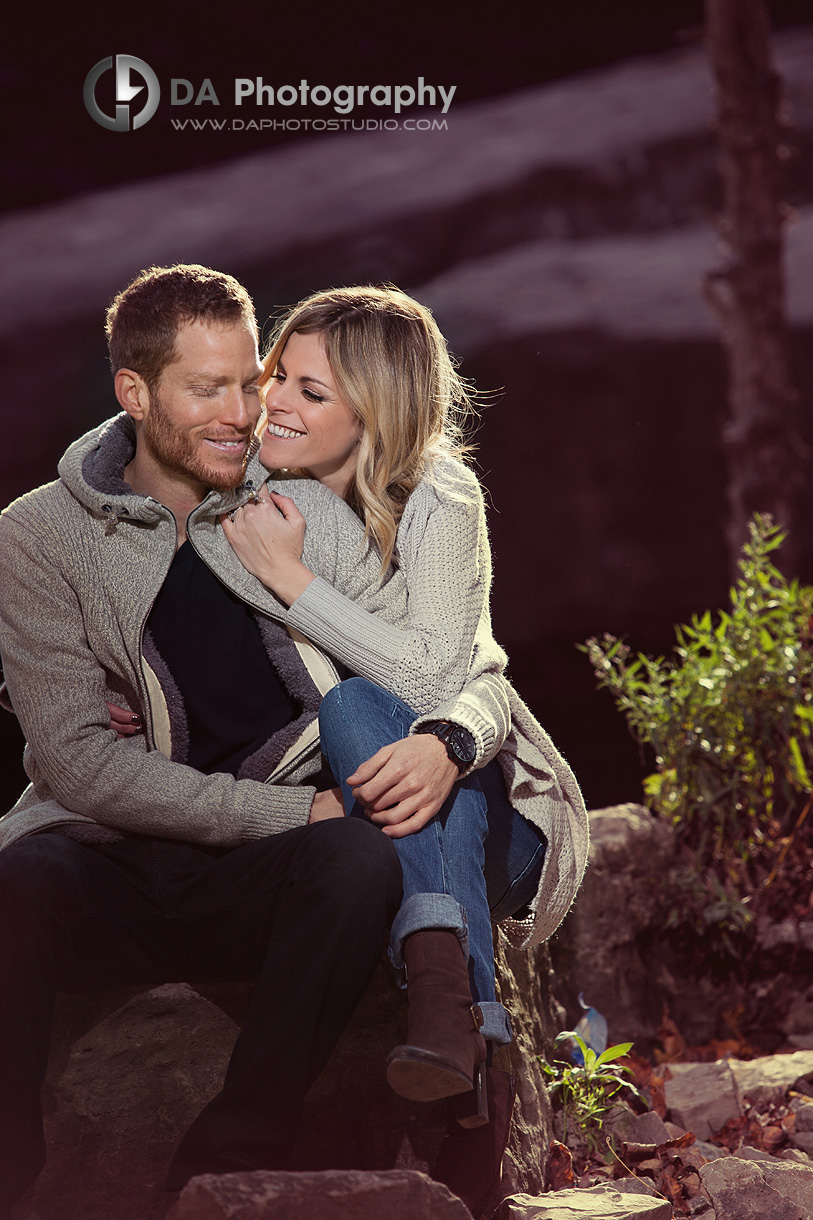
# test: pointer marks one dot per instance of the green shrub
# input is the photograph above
(730, 715)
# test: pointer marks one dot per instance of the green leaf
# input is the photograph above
(614, 1052)
(799, 767)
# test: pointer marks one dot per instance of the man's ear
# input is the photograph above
(132, 393)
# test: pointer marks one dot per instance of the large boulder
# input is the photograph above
(620, 948)
(118, 1097)
(624, 149)
(378, 1130)
(767, 1079)
(594, 1203)
(742, 1190)
(129, 1072)
(603, 947)
(397, 1194)
(702, 1097)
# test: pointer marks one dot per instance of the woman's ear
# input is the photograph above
(132, 393)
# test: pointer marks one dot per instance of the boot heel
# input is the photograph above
(470, 1162)
(471, 1109)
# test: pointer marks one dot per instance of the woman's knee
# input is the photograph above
(356, 698)
(348, 699)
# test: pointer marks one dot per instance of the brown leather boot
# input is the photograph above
(444, 1051)
(470, 1161)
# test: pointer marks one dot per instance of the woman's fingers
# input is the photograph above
(267, 534)
(255, 511)
(404, 784)
(126, 723)
(286, 507)
(363, 778)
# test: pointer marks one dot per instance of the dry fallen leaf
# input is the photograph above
(671, 1039)
(559, 1171)
(738, 1131)
(657, 1092)
(773, 1138)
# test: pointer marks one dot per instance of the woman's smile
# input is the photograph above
(283, 433)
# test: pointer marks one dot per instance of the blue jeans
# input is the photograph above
(475, 861)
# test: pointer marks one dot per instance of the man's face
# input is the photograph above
(206, 406)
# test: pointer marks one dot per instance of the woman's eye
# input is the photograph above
(311, 397)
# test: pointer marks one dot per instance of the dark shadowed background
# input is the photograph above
(559, 226)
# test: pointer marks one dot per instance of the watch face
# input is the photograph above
(463, 745)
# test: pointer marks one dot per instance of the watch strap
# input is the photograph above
(459, 742)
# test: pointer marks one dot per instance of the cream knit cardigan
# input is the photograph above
(444, 639)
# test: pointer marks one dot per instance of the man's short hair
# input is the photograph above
(144, 319)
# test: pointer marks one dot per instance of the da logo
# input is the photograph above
(125, 92)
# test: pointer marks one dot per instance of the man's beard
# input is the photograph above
(175, 450)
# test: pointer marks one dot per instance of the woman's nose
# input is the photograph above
(275, 399)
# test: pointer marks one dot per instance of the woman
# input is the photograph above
(362, 395)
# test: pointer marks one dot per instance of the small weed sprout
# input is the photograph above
(585, 1091)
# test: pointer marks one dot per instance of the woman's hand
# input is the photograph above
(126, 724)
(267, 537)
(404, 784)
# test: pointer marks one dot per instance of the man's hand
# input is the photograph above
(327, 805)
(403, 785)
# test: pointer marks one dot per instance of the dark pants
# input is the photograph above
(305, 913)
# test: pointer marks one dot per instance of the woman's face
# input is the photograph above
(309, 426)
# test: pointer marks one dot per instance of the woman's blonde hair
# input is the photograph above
(392, 367)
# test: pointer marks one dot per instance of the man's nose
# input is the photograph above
(241, 410)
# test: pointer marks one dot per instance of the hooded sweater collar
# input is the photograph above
(93, 471)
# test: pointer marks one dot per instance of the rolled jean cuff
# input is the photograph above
(496, 1025)
(422, 911)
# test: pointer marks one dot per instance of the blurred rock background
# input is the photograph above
(559, 227)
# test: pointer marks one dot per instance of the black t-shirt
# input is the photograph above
(211, 644)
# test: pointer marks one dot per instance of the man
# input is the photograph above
(213, 845)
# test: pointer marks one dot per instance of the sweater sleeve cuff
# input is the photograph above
(285, 809)
(465, 713)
